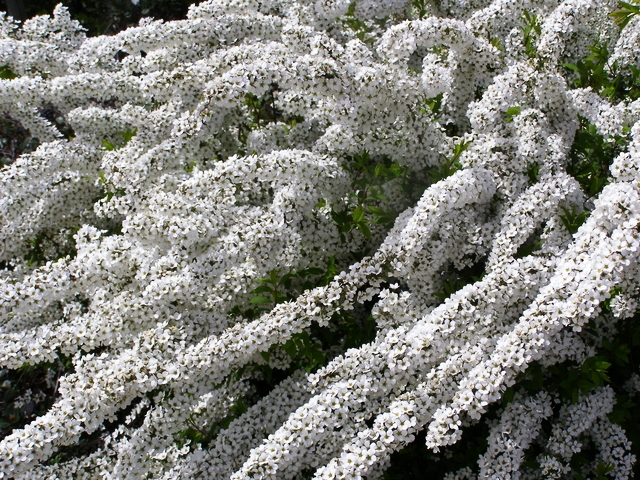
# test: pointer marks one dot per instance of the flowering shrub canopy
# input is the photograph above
(286, 239)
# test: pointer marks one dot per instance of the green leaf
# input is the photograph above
(396, 170)
(530, 30)
(312, 271)
(260, 300)
(459, 148)
(507, 396)
(527, 249)
(384, 220)
(279, 298)
(239, 408)
(533, 169)
(7, 74)
(571, 66)
(496, 43)
(621, 410)
(291, 348)
(330, 272)
(376, 194)
(604, 468)
(534, 381)
(623, 16)
(435, 104)
(364, 228)
(286, 279)
(358, 214)
(128, 134)
(573, 220)
(510, 113)
(108, 145)
(575, 396)
(376, 210)
(421, 7)
(262, 289)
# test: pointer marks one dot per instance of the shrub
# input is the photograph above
(332, 239)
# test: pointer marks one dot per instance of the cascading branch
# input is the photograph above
(286, 239)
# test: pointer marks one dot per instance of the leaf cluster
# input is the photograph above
(368, 197)
(572, 220)
(450, 165)
(276, 288)
(119, 139)
(604, 77)
(591, 156)
(421, 8)
(531, 31)
(625, 13)
(591, 153)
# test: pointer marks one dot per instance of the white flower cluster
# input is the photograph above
(167, 233)
(589, 415)
(519, 425)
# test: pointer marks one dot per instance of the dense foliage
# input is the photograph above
(329, 239)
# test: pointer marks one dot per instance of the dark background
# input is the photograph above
(102, 17)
